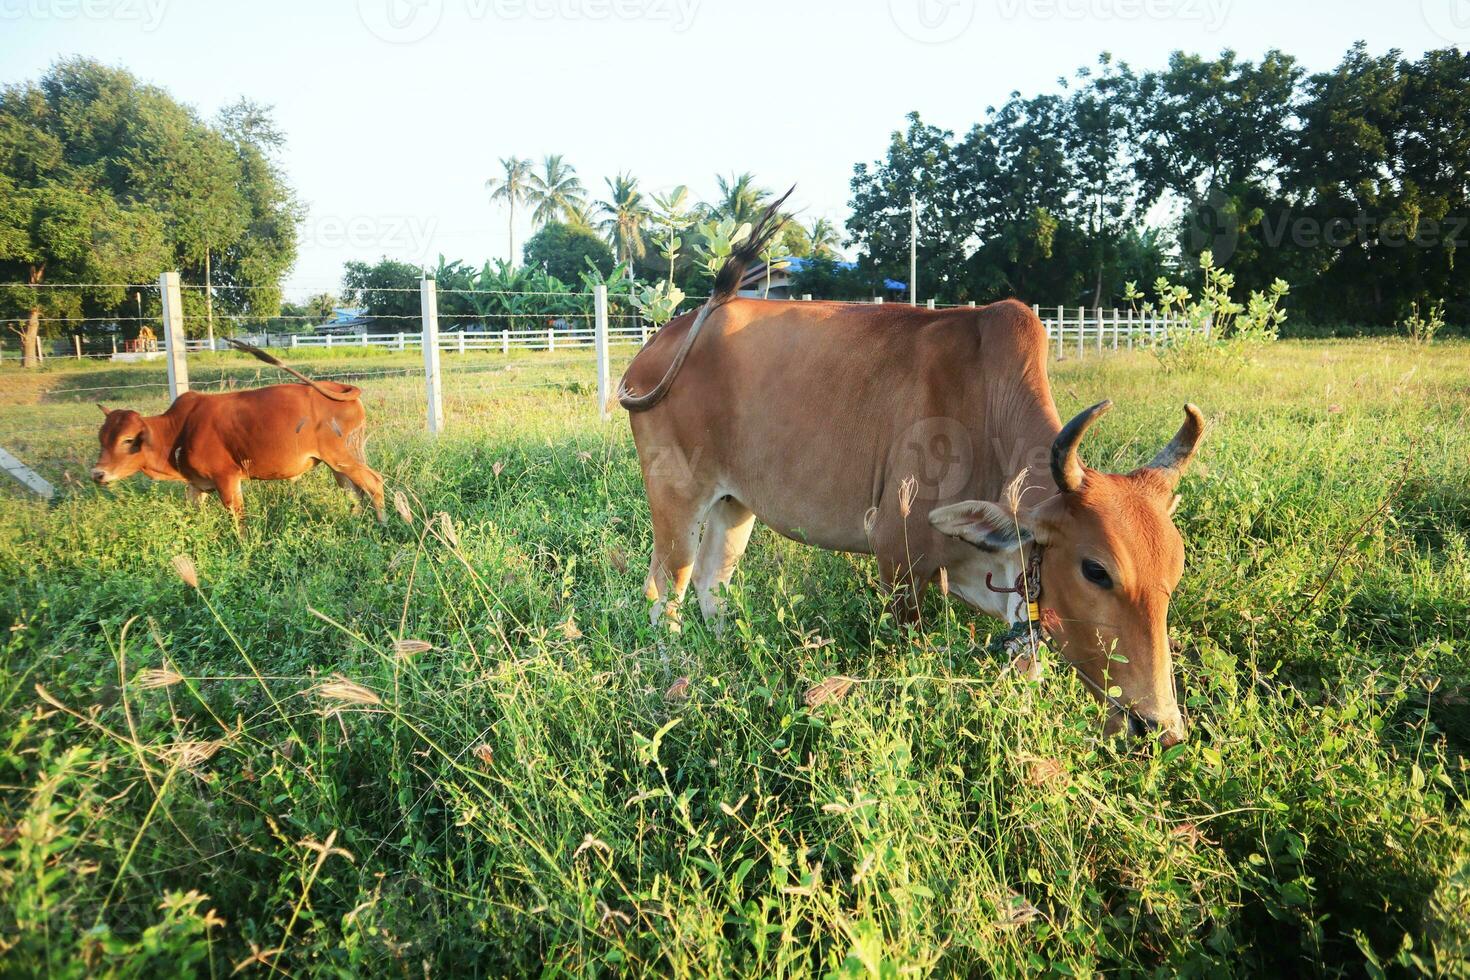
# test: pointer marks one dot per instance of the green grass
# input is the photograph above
(524, 797)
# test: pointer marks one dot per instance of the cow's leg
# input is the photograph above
(230, 495)
(906, 583)
(675, 536)
(727, 528)
(346, 466)
(357, 495)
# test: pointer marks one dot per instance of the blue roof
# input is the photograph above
(890, 284)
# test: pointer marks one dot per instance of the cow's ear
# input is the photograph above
(987, 526)
(104, 408)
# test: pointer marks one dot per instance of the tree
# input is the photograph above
(824, 239)
(563, 251)
(512, 188)
(322, 306)
(556, 193)
(740, 199)
(387, 289)
(626, 216)
(103, 179)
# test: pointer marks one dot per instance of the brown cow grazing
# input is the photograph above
(215, 442)
(926, 438)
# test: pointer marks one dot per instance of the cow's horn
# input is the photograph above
(1173, 458)
(1066, 470)
(105, 410)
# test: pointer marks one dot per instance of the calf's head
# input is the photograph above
(1111, 560)
(124, 439)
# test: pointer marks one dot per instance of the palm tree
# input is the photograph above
(626, 215)
(824, 239)
(511, 188)
(557, 193)
(740, 199)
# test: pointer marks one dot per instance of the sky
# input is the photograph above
(396, 111)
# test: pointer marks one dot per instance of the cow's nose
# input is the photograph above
(99, 474)
(1170, 738)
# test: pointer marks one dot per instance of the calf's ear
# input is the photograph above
(987, 526)
(105, 410)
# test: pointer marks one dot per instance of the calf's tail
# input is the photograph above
(727, 283)
(351, 393)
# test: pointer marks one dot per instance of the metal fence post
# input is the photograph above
(429, 307)
(599, 334)
(173, 333)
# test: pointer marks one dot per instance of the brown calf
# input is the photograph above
(215, 442)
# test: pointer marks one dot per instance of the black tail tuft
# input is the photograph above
(727, 280)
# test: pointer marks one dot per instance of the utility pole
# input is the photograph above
(913, 249)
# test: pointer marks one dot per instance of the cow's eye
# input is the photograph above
(1094, 572)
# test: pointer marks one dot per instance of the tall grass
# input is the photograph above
(455, 745)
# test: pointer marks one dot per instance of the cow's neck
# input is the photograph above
(158, 451)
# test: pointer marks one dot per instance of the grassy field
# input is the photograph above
(260, 774)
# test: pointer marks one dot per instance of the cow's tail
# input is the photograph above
(727, 283)
(350, 394)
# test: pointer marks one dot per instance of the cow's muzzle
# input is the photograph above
(1167, 736)
(100, 477)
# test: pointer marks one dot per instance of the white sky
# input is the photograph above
(397, 110)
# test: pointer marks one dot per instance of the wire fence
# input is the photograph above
(473, 364)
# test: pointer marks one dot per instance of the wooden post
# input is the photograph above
(294, 338)
(505, 341)
(1131, 328)
(429, 308)
(599, 334)
(173, 333)
(806, 297)
(400, 340)
(929, 304)
(329, 341)
(877, 300)
(550, 338)
(1097, 312)
(643, 333)
(1061, 319)
(114, 345)
(1081, 332)
(971, 304)
(77, 343)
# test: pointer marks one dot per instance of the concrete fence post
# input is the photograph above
(599, 336)
(929, 305)
(173, 333)
(877, 300)
(429, 308)
(551, 338)
(806, 297)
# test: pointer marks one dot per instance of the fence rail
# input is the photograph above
(1071, 331)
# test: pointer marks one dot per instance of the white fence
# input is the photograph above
(1073, 331)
